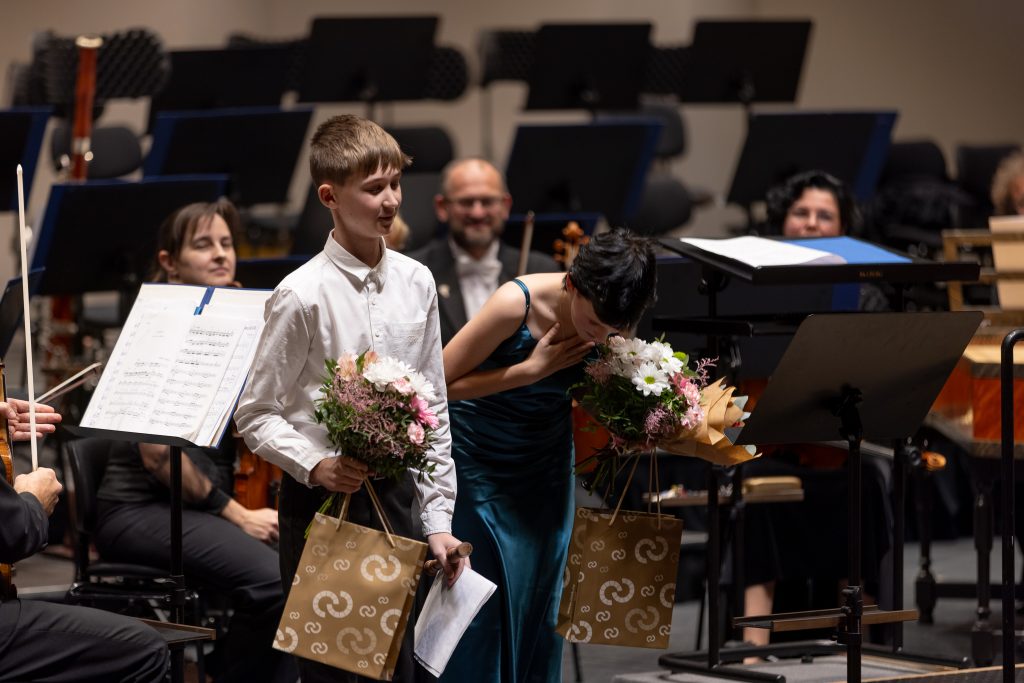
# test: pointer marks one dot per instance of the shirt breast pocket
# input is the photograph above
(406, 334)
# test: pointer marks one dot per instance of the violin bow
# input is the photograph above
(27, 320)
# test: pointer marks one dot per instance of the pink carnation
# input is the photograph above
(599, 371)
(402, 386)
(422, 412)
(416, 433)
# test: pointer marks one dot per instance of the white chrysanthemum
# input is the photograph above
(671, 365)
(422, 386)
(385, 371)
(650, 379)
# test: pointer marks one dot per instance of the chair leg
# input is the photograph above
(700, 615)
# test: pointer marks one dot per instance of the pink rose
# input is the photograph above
(415, 433)
(369, 358)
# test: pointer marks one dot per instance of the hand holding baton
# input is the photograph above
(431, 567)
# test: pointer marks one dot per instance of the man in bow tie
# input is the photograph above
(471, 261)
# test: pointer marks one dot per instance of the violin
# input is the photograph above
(7, 589)
(257, 482)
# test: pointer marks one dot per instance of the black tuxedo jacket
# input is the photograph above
(438, 257)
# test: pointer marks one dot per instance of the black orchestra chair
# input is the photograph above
(96, 583)
(116, 150)
(975, 167)
(132, 589)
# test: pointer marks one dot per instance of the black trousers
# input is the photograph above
(298, 505)
(217, 555)
(41, 641)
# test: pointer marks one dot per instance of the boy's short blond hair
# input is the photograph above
(345, 145)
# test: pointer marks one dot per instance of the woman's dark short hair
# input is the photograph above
(781, 197)
(616, 272)
(176, 231)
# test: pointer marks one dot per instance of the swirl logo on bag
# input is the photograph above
(656, 555)
(617, 588)
(341, 565)
(383, 600)
(293, 639)
(333, 599)
(667, 595)
(377, 565)
(351, 640)
(635, 622)
(293, 615)
(647, 591)
(296, 579)
(368, 611)
(618, 554)
(389, 621)
(611, 633)
(379, 659)
(597, 546)
(603, 616)
(311, 627)
(318, 648)
(574, 632)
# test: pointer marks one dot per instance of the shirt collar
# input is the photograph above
(353, 266)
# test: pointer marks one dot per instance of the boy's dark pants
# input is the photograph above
(298, 505)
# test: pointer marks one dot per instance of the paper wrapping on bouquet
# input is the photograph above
(351, 597)
(708, 439)
(620, 579)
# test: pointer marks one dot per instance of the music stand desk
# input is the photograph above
(596, 167)
(223, 77)
(101, 235)
(257, 147)
(744, 61)
(576, 67)
(345, 63)
(21, 139)
(547, 227)
(266, 273)
(850, 145)
(11, 308)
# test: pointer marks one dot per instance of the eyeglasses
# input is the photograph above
(468, 203)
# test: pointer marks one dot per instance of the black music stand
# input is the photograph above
(12, 307)
(221, 78)
(850, 145)
(21, 139)
(584, 168)
(257, 147)
(266, 273)
(744, 61)
(345, 61)
(575, 66)
(547, 227)
(101, 235)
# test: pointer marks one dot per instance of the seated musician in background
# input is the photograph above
(46, 641)
(807, 541)
(471, 262)
(226, 547)
(1008, 186)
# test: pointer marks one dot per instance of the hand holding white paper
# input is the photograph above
(446, 615)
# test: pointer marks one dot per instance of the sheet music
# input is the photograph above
(758, 251)
(174, 372)
(446, 615)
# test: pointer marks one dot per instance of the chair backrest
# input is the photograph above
(116, 151)
(914, 161)
(429, 146)
(87, 460)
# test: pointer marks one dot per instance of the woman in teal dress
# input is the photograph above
(508, 371)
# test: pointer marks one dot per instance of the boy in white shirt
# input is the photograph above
(353, 296)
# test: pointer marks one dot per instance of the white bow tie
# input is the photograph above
(486, 269)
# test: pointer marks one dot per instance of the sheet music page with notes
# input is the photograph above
(179, 363)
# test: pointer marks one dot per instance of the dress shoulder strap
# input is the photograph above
(526, 293)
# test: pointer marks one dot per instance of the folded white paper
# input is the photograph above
(446, 615)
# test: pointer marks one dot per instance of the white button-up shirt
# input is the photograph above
(336, 304)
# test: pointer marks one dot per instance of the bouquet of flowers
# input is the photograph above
(647, 396)
(377, 410)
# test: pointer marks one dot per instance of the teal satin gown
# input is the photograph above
(513, 455)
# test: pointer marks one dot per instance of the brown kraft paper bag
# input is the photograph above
(620, 578)
(351, 596)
